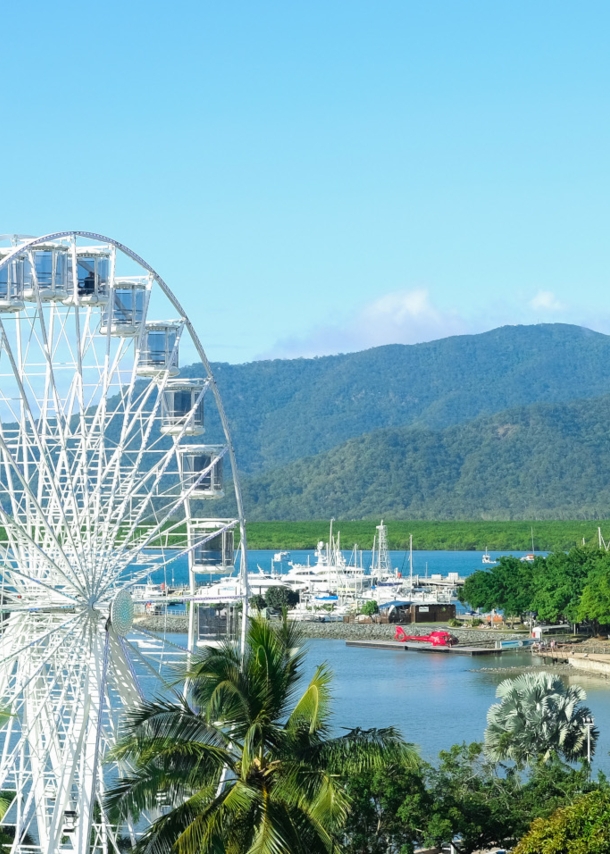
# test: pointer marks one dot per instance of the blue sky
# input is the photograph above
(323, 176)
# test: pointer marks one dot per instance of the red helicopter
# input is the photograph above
(437, 638)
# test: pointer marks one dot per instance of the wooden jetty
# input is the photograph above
(420, 646)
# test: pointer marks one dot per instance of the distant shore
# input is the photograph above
(551, 535)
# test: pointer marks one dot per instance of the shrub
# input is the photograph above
(258, 602)
(281, 597)
(580, 828)
(369, 608)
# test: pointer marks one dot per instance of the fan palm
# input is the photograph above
(538, 717)
(249, 767)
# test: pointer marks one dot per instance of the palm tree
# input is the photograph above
(248, 767)
(538, 717)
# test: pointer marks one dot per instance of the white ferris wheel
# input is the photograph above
(102, 467)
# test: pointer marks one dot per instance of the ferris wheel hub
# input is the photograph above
(121, 612)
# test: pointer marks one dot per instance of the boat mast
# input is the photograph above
(383, 558)
(411, 562)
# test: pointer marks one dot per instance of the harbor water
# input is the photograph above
(435, 700)
(431, 562)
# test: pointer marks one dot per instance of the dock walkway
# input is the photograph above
(421, 646)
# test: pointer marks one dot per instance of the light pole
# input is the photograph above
(588, 724)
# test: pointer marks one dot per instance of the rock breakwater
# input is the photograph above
(346, 631)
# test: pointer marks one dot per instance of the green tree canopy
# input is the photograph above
(594, 603)
(281, 597)
(579, 828)
(558, 582)
(507, 586)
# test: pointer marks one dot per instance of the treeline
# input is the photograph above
(572, 586)
(441, 535)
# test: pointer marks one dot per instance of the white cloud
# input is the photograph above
(546, 301)
(411, 316)
(401, 317)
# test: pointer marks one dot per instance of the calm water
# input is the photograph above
(435, 700)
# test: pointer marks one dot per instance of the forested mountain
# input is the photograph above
(543, 461)
(282, 410)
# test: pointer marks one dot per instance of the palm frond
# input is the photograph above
(313, 708)
(538, 718)
(363, 749)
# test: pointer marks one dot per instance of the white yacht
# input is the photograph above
(229, 588)
(331, 573)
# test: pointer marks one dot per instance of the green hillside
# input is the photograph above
(282, 410)
(543, 461)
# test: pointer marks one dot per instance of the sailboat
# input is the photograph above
(487, 559)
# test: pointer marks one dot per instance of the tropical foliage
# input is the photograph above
(281, 597)
(579, 828)
(594, 604)
(573, 586)
(466, 798)
(248, 766)
(538, 718)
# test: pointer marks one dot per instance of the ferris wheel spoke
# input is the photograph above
(41, 703)
(176, 501)
(146, 662)
(47, 468)
(51, 391)
(32, 643)
(126, 679)
(32, 581)
(71, 576)
(154, 475)
(57, 737)
(113, 516)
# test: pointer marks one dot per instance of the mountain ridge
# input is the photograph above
(282, 410)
